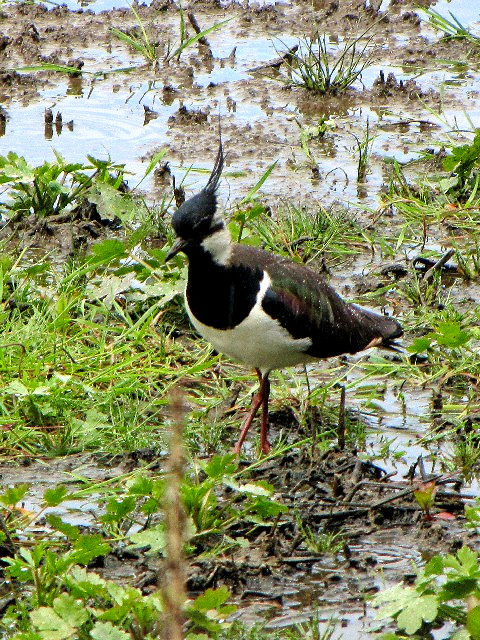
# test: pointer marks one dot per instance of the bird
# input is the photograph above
(262, 309)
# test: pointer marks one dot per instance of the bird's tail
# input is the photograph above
(382, 329)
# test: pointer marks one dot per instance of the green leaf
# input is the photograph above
(445, 184)
(13, 495)
(118, 509)
(197, 37)
(154, 537)
(108, 250)
(267, 508)
(473, 622)
(111, 202)
(211, 599)
(53, 497)
(468, 558)
(68, 530)
(154, 161)
(458, 588)
(420, 609)
(50, 625)
(71, 611)
(420, 345)
(48, 66)
(88, 547)
(86, 584)
(450, 334)
(251, 194)
(219, 466)
(106, 631)
(434, 566)
(17, 388)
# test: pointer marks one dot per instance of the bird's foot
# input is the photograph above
(237, 448)
(265, 447)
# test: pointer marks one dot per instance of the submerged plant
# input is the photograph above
(364, 147)
(317, 69)
(453, 29)
(141, 44)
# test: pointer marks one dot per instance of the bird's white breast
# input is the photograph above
(259, 340)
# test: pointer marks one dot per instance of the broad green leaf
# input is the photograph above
(434, 566)
(88, 547)
(459, 588)
(219, 466)
(450, 334)
(50, 625)
(17, 388)
(211, 599)
(111, 202)
(106, 631)
(118, 509)
(473, 622)
(420, 609)
(68, 530)
(419, 345)
(13, 495)
(267, 508)
(153, 537)
(110, 249)
(53, 497)
(70, 610)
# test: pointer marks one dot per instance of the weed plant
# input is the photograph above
(53, 187)
(444, 596)
(317, 69)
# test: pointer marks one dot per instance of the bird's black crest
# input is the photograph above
(193, 218)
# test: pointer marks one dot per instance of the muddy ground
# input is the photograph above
(278, 578)
(176, 107)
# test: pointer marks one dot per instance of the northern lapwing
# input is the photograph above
(260, 308)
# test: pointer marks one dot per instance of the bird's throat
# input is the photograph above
(219, 246)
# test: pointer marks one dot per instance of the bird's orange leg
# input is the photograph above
(264, 444)
(257, 401)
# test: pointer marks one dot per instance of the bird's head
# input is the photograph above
(197, 218)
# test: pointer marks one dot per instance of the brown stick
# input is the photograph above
(174, 586)
(196, 27)
(341, 420)
(438, 265)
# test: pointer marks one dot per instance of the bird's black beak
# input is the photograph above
(178, 245)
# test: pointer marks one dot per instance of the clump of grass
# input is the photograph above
(364, 147)
(321, 542)
(317, 69)
(306, 235)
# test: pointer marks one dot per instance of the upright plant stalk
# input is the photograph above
(174, 587)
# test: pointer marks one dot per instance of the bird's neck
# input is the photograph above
(218, 245)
